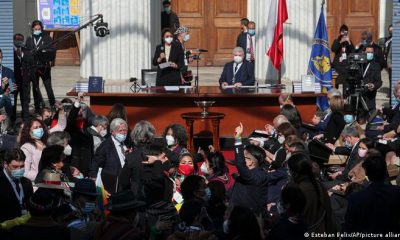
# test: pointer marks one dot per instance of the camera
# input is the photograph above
(345, 33)
(101, 29)
(355, 71)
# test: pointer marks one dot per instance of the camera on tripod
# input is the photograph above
(355, 71)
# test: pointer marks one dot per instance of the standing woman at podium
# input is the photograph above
(168, 51)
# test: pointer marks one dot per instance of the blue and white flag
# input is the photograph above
(320, 61)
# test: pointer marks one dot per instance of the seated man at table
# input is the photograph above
(239, 72)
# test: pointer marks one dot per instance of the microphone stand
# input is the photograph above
(196, 79)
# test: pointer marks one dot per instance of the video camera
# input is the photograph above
(355, 71)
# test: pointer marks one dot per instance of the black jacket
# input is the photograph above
(341, 67)
(241, 41)
(373, 75)
(378, 55)
(351, 162)
(334, 127)
(250, 189)
(9, 205)
(374, 210)
(244, 75)
(169, 76)
(106, 157)
(39, 58)
(169, 20)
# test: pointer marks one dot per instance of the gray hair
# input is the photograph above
(278, 120)
(350, 131)
(114, 126)
(100, 120)
(58, 138)
(143, 133)
(238, 49)
(367, 34)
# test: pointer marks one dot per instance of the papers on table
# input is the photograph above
(171, 88)
(232, 86)
(164, 65)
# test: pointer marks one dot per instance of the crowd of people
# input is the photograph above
(76, 175)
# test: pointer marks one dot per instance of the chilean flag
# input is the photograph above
(276, 17)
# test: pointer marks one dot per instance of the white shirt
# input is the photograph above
(121, 155)
(96, 140)
(167, 52)
(237, 70)
(253, 39)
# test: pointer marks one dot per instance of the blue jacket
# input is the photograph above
(6, 72)
(245, 74)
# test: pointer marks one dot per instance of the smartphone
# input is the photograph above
(345, 33)
(11, 85)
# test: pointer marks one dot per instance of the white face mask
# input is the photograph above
(68, 150)
(168, 40)
(362, 152)
(281, 139)
(237, 59)
(170, 140)
(204, 168)
(103, 132)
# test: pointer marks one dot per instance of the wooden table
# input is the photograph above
(192, 117)
(253, 107)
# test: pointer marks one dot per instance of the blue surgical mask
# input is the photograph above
(89, 207)
(348, 118)
(120, 137)
(17, 173)
(370, 56)
(37, 32)
(37, 133)
(207, 194)
(186, 37)
(167, 9)
(251, 32)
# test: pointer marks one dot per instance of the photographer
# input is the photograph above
(366, 40)
(342, 46)
(36, 59)
(371, 78)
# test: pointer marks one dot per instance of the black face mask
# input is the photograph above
(47, 122)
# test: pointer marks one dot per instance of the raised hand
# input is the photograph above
(239, 131)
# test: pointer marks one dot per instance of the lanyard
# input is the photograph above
(237, 69)
(37, 42)
(20, 195)
(366, 69)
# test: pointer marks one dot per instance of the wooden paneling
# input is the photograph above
(213, 25)
(358, 15)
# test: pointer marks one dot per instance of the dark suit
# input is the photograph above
(373, 75)
(9, 204)
(34, 66)
(18, 80)
(374, 210)
(5, 101)
(241, 40)
(341, 67)
(244, 75)
(169, 76)
(334, 127)
(106, 157)
(169, 20)
(352, 160)
(378, 54)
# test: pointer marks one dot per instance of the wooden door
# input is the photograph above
(213, 24)
(358, 15)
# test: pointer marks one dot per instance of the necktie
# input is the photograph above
(251, 49)
(236, 68)
(122, 148)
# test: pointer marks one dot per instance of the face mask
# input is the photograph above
(288, 155)
(103, 132)
(170, 140)
(167, 9)
(348, 118)
(47, 122)
(225, 226)
(37, 32)
(80, 176)
(120, 137)
(347, 144)
(207, 195)
(89, 207)
(186, 37)
(281, 139)
(18, 173)
(251, 32)
(237, 59)
(19, 43)
(68, 150)
(364, 42)
(168, 40)
(362, 152)
(370, 56)
(37, 133)
(204, 168)
(186, 169)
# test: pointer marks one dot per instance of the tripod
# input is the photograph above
(135, 87)
(359, 99)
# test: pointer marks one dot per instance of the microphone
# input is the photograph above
(162, 48)
(201, 50)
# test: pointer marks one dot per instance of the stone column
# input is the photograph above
(129, 47)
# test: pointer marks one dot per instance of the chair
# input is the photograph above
(149, 77)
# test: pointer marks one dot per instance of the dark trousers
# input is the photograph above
(18, 81)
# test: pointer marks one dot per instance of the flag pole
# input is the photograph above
(279, 76)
